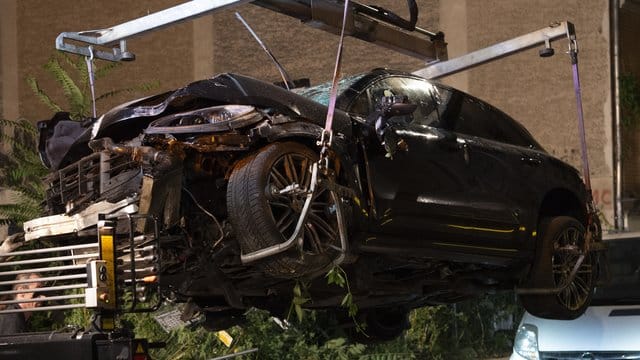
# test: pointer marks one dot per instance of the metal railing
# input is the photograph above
(46, 278)
(56, 278)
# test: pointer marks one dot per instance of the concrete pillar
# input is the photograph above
(9, 59)
(9, 73)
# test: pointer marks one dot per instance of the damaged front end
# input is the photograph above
(159, 168)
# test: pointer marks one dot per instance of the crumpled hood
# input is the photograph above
(128, 120)
(222, 89)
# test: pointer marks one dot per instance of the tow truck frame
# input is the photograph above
(95, 277)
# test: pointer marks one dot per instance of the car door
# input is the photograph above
(420, 190)
(504, 168)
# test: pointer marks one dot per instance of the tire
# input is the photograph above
(262, 218)
(552, 266)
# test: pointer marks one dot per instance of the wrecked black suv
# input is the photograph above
(427, 195)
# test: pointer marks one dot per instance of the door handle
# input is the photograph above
(465, 151)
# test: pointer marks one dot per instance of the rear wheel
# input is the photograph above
(265, 198)
(562, 239)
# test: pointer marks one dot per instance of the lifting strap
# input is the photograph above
(89, 61)
(327, 132)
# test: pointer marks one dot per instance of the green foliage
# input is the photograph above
(21, 171)
(466, 330)
(183, 343)
(309, 339)
(72, 76)
(629, 100)
(338, 277)
(300, 298)
(305, 340)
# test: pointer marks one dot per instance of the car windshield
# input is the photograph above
(624, 264)
(320, 93)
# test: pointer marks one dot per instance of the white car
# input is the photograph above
(608, 330)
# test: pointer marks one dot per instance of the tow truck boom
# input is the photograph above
(371, 24)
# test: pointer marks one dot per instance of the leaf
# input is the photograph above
(336, 343)
(299, 312)
(21, 172)
(70, 89)
(300, 300)
(41, 95)
(104, 70)
(347, 300)
(353, 309)
(297, 291)
(334, 276)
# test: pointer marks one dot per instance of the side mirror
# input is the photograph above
(388, 107)
(396, 106)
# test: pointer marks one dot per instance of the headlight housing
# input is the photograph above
(526, 342)
(211, 119)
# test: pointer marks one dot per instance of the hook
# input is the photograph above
(89, 61)
(90, 57)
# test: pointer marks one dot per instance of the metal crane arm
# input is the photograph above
(371, 24)
(497, 51)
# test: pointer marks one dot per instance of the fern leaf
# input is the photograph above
(21, 124)
(6, 222)
(18, 213)
(71, 91)
(75, 64)
(41, 95)
(26, 126)
(104, 70)
(7, 139)
(83, 74)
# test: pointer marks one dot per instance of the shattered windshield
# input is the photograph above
(320, 93)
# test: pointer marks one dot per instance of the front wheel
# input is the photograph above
(562, 239)
(265, 198)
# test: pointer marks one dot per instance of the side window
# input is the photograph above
(431, 99)
(473, 119)
(511, 132)
(477, 118)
